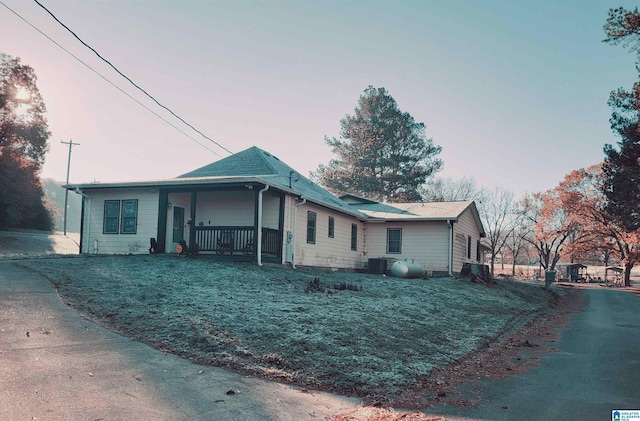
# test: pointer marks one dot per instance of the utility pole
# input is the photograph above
(66, 192)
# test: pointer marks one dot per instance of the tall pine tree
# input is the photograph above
(622, 164)
(621, 168)
(382, 152)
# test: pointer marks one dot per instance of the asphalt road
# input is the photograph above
(596, 369)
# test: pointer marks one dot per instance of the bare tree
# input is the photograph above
(498, 218)
(446, 189)
(516, 243)
(548, 228)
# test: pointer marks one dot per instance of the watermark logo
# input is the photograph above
(625, 415)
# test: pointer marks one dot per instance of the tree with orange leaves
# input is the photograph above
(549, 229)
(582, 196)
(23, 144)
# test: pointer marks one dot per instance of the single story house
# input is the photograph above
(252, 206)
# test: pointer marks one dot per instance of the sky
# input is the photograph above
(515, 92)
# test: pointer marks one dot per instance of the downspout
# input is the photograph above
(295, 224)
(450, 247)
(78, 191)
(259, 242)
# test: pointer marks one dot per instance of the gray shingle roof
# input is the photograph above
(417, 210)
(255, 162)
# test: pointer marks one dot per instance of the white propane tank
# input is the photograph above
(406, 268)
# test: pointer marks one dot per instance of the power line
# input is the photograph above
(130, 81)
(110, 82)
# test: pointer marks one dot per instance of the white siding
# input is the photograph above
(326, 252)
(230, 208)
(147, 222)
(463, 229)
(270, 210)
(426, 242)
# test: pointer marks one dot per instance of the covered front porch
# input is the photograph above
(231, 222)
(224, 240)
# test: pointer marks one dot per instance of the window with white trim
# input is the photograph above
(354, 237)
(311, 227)
(394, 240)
(120, 217)
(129, 220)
(111, 221)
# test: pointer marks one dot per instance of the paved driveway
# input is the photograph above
(597, 369)
(55, 365)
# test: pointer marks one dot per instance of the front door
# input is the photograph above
(178, 224)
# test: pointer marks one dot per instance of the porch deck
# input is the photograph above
(237, 239)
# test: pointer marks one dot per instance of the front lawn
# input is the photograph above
(356, 334)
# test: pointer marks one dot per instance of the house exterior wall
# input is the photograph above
(426, 242)
(146, 222)
(270, 210)
(230, 208)
(464, 229)
(326, 252)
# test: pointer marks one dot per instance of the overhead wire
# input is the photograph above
(129, 79)
(112, 83)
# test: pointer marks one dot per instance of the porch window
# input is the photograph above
(394, 240)
(354, 237)
(311, 227)
(332, 226)
(129, 217)
(111, 217)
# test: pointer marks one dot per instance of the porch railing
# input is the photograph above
(271, 241)
(236, 239)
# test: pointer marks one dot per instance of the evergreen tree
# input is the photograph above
(622, 164)
(382, 153)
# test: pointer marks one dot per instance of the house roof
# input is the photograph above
(255, 165)
(418, 211)
(255, 162)
(252, 165)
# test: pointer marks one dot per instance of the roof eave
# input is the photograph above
(167, 183)
(198, 181)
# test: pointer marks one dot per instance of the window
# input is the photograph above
(354, 237)
(311, 227)
(111, 217)
(394, 240)
(117, 219)
(468, 247)
(129, 217)
(332, 225)
(478, 250)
